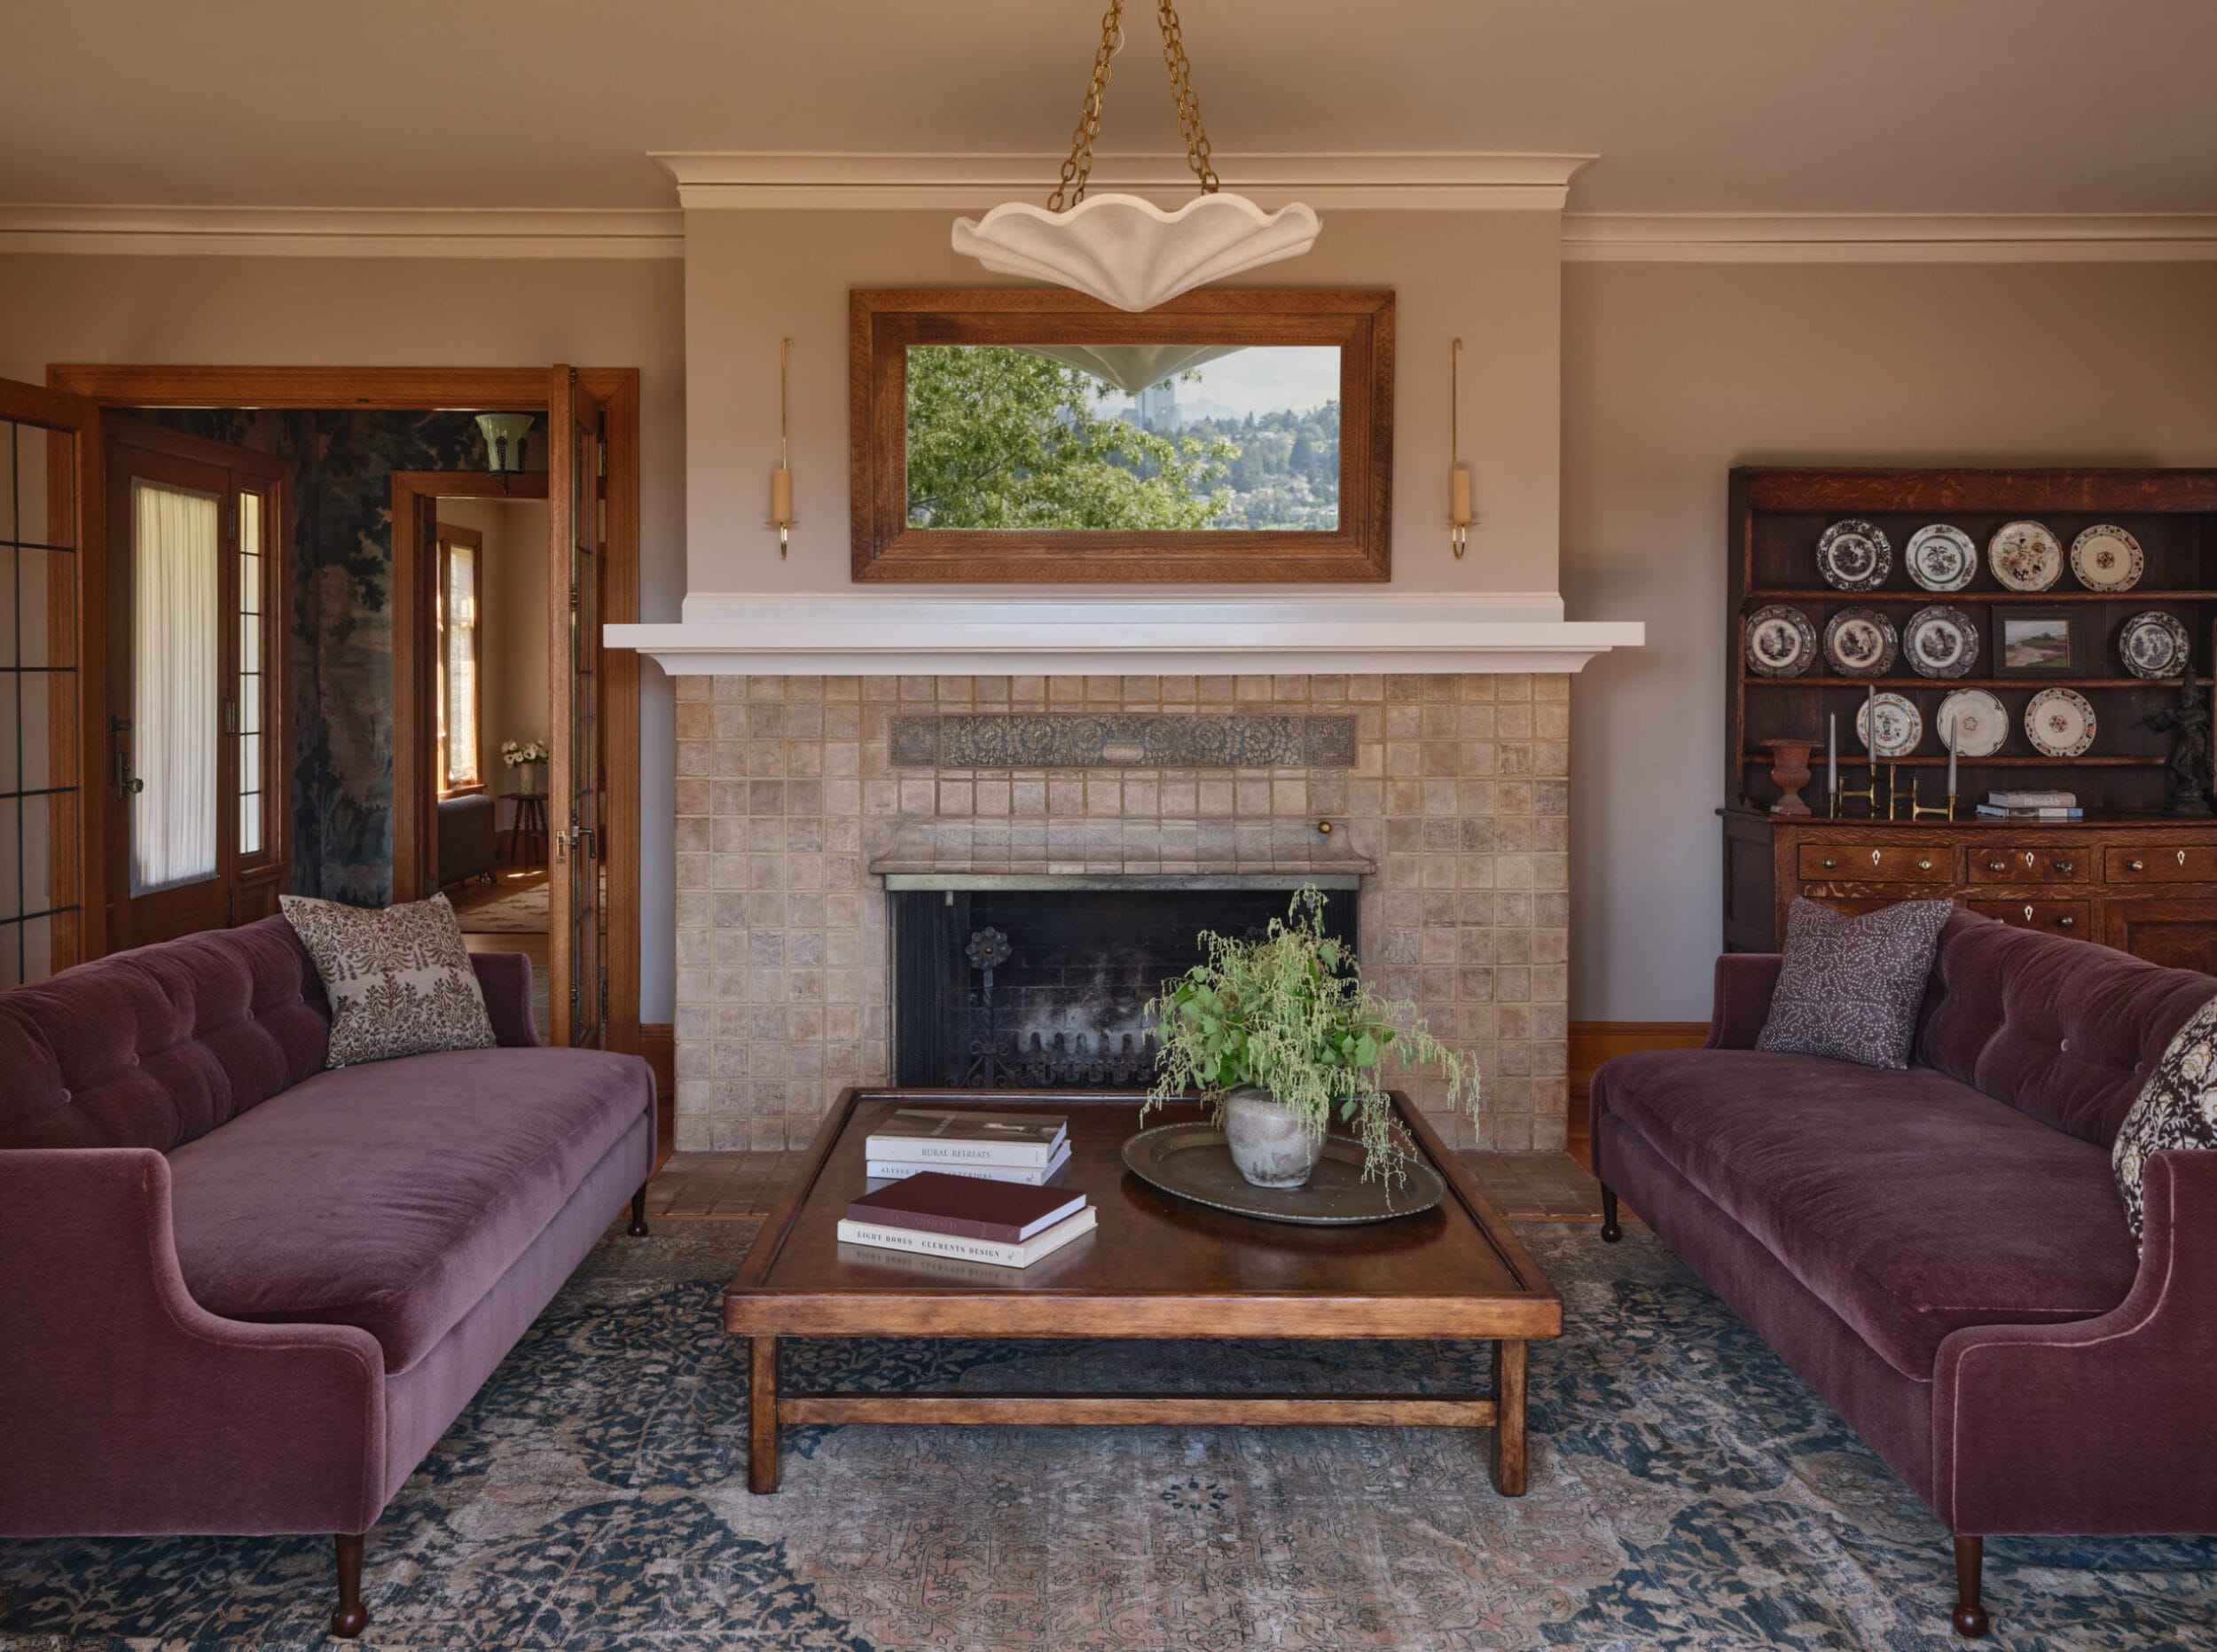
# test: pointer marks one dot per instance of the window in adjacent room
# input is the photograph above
(461, 550)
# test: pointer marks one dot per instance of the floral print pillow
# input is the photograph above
(399, 978)
(2176, 1109)
(1850, 987)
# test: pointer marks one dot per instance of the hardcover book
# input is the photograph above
(1036, 1175)
(882, 1236)
(935, 1201)
(940, 1136)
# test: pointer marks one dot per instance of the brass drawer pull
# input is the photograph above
(1829, 863)
(1924, 866)
(2136, 866)
(2062, 866)
(1995, 865)
(2065, 921)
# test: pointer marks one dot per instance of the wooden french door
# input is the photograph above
(195, 786)
(49, 504)
(576, 528)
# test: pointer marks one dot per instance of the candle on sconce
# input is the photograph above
(780, 496)
(1870, 725)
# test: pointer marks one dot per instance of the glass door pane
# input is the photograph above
(176, 638)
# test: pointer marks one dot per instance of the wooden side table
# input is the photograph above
(528, 829)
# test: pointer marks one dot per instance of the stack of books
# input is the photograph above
(993, 1147)
(935, 1213)
(2031, 806)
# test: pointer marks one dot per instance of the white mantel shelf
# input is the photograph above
(896, 633)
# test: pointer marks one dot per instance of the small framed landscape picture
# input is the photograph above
(2035, 642)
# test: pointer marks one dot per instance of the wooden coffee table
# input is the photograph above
(1156, 1266)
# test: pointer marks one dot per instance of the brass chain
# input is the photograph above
(1181, 91)
(1080, 166)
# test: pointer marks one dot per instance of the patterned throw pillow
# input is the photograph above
(1850, 987)
(2176, 1109)
(398, 977)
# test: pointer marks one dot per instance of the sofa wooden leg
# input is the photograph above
(351, 1618)
(1970, 1613)
(1610, 1232)
(638, 1229)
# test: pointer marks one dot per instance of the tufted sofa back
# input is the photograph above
(2064, 1030)
(153, 1047)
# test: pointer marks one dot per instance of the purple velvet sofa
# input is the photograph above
(1940, 1253)
(241, 1295)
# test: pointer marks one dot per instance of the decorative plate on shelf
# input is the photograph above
(1861, 642)
(1854, 556)
(1980, 725)
(1781, 642)
(2153, 644)
(1940, 641)
(2106, 558)
(1901, 730)
(2059, 723)
(1941, 558)
(2024, 556)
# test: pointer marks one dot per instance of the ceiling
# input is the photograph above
(1694, 105)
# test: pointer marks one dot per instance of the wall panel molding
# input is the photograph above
(1594, 1042)
(1880, 238)
(340, 231)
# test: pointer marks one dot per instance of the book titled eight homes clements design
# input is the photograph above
(968, 1186)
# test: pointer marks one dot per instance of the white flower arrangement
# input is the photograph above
(515, 754)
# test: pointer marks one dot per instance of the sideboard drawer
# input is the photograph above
(2071, 918)
(1841, 863)
(2163, 865)
(2016, 864)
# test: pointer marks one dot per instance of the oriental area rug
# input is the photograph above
(1687, 1492)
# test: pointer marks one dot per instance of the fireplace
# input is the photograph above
(1042, 985)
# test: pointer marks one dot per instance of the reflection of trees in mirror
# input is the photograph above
(999, 437)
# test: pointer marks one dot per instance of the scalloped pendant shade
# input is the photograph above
(1130, 252)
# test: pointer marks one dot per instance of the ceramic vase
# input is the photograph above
(1270, 1144)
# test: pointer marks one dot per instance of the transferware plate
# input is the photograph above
(1781, 642)
(1860, 642)
(2024, 556)
(1940, 641)
(1192, 1161)
(1854, 555)
(2106, 558)
(1980, 726)
(2153, 644)
(1941, 557)
(1900, 730)
(2059, 723)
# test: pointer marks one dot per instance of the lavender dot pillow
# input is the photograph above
(1850, 987)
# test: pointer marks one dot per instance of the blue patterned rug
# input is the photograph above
(1687, 1492)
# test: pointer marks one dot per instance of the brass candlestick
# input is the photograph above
(1919, 812)
(1868, 792)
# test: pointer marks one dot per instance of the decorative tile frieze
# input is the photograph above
(987, 739)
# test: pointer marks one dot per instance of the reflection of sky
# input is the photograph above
(1265, 379)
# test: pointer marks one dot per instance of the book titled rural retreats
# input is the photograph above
(933, 1202)
(941, 1135)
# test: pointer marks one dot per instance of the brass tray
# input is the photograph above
(1192, 1161)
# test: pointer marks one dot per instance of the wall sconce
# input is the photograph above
(781, 517)
(505, 434)
(1458, 515)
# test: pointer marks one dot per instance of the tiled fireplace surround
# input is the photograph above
(786, 790)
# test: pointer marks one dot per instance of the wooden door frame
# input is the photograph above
(485, 390)
(415, 661)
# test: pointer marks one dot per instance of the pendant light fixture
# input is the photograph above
(1122, 249)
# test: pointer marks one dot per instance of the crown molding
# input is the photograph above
(762, 179)
(342, 232)
(1882, 238)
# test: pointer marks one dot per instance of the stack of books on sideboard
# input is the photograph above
(974, 1187)
(2030, 806)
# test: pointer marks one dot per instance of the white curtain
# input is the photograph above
(174, 686)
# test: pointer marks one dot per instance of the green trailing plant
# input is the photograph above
(1290, 1014)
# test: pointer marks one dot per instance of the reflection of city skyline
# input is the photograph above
(1297, 379)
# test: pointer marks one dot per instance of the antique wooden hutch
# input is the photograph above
(2128, 875)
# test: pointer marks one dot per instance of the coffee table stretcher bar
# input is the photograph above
(821, 1295)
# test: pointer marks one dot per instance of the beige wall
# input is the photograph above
(752, 277)
(1673, 373)
(410, 312)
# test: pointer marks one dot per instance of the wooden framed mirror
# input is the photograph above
(1028, 436)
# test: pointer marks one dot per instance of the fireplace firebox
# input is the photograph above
(1043, 987)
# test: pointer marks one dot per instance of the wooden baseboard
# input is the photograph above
(1594, 1042)
(658, 1043)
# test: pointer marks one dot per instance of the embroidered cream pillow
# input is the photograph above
(398, 977)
